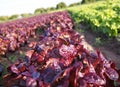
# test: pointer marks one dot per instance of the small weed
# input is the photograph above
(12, 58)
(118, 38)
(22, 55)
(40, 30)
(80, 30)
(98, 41)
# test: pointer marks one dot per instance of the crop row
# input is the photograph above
(60, 59)
(103, 18)
(14, 34)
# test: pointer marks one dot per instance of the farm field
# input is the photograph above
(50, 50)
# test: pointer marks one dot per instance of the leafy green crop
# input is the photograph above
(102, 17)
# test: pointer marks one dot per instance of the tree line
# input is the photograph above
(60, 5)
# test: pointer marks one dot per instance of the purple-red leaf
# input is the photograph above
(35, 75)
(30, 82)
(14, 69)
(112, 74)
